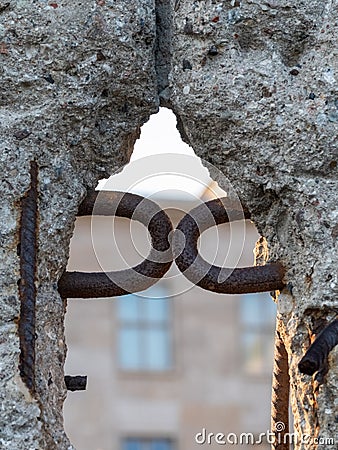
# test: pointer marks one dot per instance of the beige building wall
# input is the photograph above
(208, 385)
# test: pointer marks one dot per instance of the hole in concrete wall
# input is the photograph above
(177, 359)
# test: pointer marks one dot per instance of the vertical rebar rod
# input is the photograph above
(27, 288)
(280, 395)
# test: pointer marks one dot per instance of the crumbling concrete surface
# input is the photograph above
(254, 87)
(77, 82)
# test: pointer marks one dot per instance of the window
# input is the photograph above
(145, 331)
(257, 317)
(147, 444)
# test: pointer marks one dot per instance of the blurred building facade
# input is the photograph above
(177, 360)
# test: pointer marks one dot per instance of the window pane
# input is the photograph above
(155, 309)
(157, 349)
(249, 310)
(158, 290)
(161, 444)
(257, 310)
(128, 308)
(129, 348)
(144, 331)
(132, 444)
(147, 444)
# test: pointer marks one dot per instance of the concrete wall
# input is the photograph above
(255, 91)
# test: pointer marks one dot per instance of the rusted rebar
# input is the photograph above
(316, 357)
(280, 395)
(213, 278)
(76, 383)
(27, 288)
(135, 279)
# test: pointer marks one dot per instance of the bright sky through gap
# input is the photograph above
(160, 135)
(151, 171)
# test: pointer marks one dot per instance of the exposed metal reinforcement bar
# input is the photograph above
(27, 288)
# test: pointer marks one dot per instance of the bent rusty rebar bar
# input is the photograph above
(27, 288)
(137, 278)
(280, 395)
(194, 267)
(213, 278)
(317, 354)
